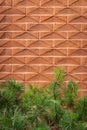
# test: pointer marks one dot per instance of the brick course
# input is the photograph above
(38, 35)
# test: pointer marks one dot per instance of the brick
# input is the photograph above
(53, 52)
(78, 35)
(12, 27)
(25, 35)
(67, 27)
(78, 19)
(12, 11)
(67, 61)
(12, 43)
(67, 44)
(5, 68)
(84, 60)
(77, 52)
(5, 52)
(78, 70)
(39, 44)
(5, 2)
(26, 19)
(6, 76)
(5, 35)
(39, 60)
(39, 11)
(84, 44)
(53, 35)
(40, 77)
(52, 3)
(53, 19)
(12, 60)
(78, 3)
(27, 69)
(74, 77)
(67, 11)
(19, 77)
(40, 27)
(25, 52)
(26, 2)
(5, 19)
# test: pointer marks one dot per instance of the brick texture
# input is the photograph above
(38, 35)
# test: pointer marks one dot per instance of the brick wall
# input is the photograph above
(38, 35)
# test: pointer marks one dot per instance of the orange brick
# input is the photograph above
(37, 36)
(5, 2)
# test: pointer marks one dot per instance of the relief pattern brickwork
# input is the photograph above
(38, 35)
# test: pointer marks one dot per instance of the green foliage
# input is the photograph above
(68, 121)
(71, 93)
(41, 126)
(13, 119)
(59, 75)
(82, 108)
(10, 93)
(81, 126)
(11, 116)
(55, 107)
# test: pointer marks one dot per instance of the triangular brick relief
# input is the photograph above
(84, 27)
(47, 69)
(73, 77)
(79, 3)
(12, 43)
(12, 60)
(67, 61)
(54, 3)
(5, 2)
(25, 68)
(40, 44)
(67, 44)
(67, 11)
(68, 27)
(25, 35)
(23, 52)
(52, 19)
(29, 19)
(80, 19)
(5, 19)
(9, 10)
(40, 27)
(39, 60)
(5, 68)
(40, 77)
(19, 77)
(5, 52)
(84, 44)
(78, 52)
(84, 78)
(6, 76)
(53, 52)
(72, 2)
(53, 35)
(5, 35)
(39, 11)
(12, 27)
(80, 35)
(26, 2)
(79, 69)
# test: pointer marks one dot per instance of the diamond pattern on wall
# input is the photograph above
(38, 35)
